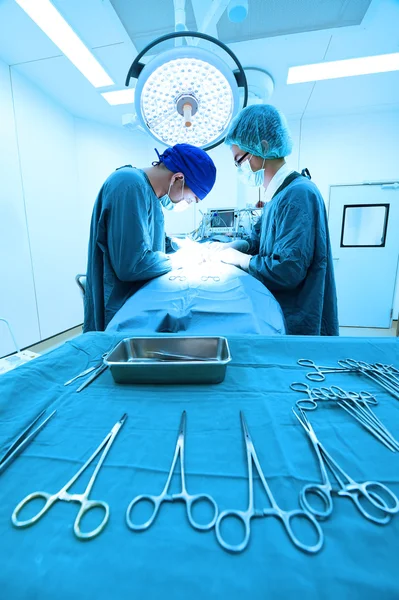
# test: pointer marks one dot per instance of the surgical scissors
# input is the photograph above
(63, 494)
(245, 516)
(207, 277)
(165, 496)
(369, 490)
(23, 440)
(178, 277)
(320, 372)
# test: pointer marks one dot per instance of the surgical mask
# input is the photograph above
(249, 177)
(167, 202)
(177, 207)
(181, 206)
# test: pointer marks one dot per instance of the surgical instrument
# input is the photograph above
(165, 496)
(320, 372)
(323, 393)
(169, 356)
(359, 409)
(374, 492)
(63, 494)
(82, 374)
(23, 440)
(314, 394)
(245, 516)
(354, 403)
(92, 377)
(207, 277)
(384, 375)
(86, 371)
(178, 277)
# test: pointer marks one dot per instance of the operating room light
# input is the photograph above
(351, 67)
(47, 17)
(207, 98)
(187, 94)
(119, 96)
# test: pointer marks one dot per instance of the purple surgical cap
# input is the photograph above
(195, 164)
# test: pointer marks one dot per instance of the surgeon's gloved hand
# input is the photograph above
(231, 256)
(215, 248)
(240, 245)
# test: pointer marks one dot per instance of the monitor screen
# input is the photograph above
(222, 218)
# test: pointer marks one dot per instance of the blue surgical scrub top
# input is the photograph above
(127, 245)
(292, 257)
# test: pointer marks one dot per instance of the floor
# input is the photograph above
(368, 331)
(53, 342)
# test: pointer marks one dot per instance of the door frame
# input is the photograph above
(384, 182)
(351, 184)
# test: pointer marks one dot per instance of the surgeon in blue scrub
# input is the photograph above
(127, 236)
(290, 251)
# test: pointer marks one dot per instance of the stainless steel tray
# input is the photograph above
(169, 359)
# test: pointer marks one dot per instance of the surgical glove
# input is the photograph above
(236, 258)
(214, 248)
(240, 245)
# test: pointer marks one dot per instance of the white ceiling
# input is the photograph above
(28, 50)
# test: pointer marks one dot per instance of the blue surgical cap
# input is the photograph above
(195, 164)
(261, 130)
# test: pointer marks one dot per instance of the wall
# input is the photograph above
(52, 166)
(351, 149)
(46, 139)
(17, 292)
(99, 151)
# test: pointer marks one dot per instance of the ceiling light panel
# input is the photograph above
(53, 24)
(351, 67)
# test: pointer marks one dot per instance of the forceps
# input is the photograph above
(314, 394)
(23, 440)
(169, 356)
(96, 367)
(92, 377)
(331, 393)
(357, 405)
(384, 375)
(245, 516)
(178, 277)
(320, 372)
(374, 492)
(183, 496)
(86, 505)
(207, 277)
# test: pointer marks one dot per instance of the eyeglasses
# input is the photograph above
(240, 160)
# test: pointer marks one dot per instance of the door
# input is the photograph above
(364, 230)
